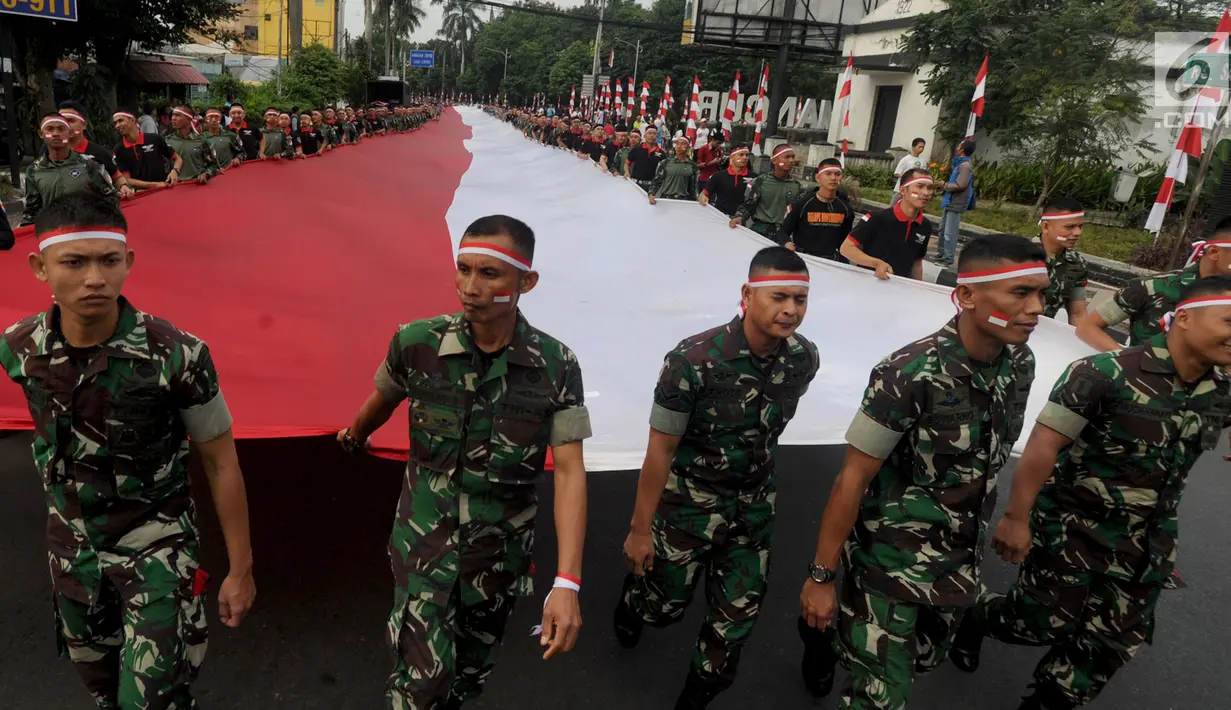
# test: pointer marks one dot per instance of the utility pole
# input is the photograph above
(278, 82)
(505, 54)
(778, 88)
(598, 49)
(636, 56)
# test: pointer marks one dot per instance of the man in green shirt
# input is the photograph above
(200, 163)
(61, 170)
(676, 177)
(1060, 227)
(769, 195)
(227, 146)
(275, 140)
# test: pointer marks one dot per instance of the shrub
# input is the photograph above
(871, 175)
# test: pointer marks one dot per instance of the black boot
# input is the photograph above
(1046, 697)
(628, 625)
(968, 644)
(819, 658)
(697, 693)
(451, 703)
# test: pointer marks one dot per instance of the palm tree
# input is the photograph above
(404, 18)
(461, 24)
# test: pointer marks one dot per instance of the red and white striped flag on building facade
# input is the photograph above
(760, 119)
(1203, 113)
(976, 101)
(694, 106)
(844, 102)
(728, 114)
(645, 96)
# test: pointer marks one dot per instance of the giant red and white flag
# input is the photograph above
(728, 114)
(348, 296)
(976, 101)
(1203, 113)
(844, 103)
(760, 117)
(694, 107)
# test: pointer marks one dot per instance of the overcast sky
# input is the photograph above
(353, 22)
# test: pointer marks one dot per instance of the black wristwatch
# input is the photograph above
(821, 574)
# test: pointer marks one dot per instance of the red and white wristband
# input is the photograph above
(563, 581)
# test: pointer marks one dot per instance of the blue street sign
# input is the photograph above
(424, 58)
(64, 10)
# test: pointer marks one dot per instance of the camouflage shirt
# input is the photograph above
(768, 199)
(226, 146)
(1068, 276)
(111, 431)
(196, 152)
(47, 179)
(478, 443)
(944, 425)
(675, 179)
(729, 407)
(1145, 300)
(1137, 429)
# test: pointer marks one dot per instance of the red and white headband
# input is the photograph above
(781, 150)
(271, 112)
(69, 113)
(485, 249)
(214, 111)
(1061, 215)
(830, 169)
(52, 120)
(1194, 303)
(72, 234)
(737, 151)
(778, 281)
(123, 114)
(1199, 248)
(1001, 274)
(917, 181)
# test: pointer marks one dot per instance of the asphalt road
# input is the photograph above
(315, 640)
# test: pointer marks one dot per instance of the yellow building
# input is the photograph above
(303, 22)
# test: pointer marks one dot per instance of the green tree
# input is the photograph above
(1065, 78)
(570, 63)
(460, 25)
(226, 88)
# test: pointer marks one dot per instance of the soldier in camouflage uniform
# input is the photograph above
(1146, 299)
(227, 145)
(276, 142)
(909, 509)
(1110, 453)
(61, 171)
(488, 395)
(676, 176)
(115, 395)
(1060, 228)
(200, 163)
(769, 195)
(705, 500)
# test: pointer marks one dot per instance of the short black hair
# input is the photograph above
(715, 136)
(72, 106)
(272, 108)
(968, 147)
(499, 225)
(829, 162)
(1208, 286)
(776, 258)
(917, 141)
(988, 249)
(50, 114)
(236, 103)
(129, 109)
(87, 207)
(912, 174)
(1062, 204)
(1223, 225)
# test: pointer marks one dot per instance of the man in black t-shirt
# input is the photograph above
(308, 138)
(613, 146)
(643, 160)
(819, 220)
(895, 240)
(142, 158)
(249, 135)
(727, 189)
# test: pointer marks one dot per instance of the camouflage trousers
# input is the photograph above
(444, 649)
(136, 654)
(1094, 624)
(887, 643)
(735, 561)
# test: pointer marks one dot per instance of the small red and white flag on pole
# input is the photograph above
(728, 114)
(619, 99)
(694, 106)
(645, 96)
(760, 119)
(628, 104)
(572, 95)
(665, 102)
(976, 102)
(1204, 112)
(611, 57)
(844, 101)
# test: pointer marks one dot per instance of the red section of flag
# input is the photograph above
(297, 296)
(200, 581)
(1190, 140)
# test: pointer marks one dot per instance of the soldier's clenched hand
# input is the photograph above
(817, 604)
(1012, 539)
(561, 622)
(235, 598)
(639, 552)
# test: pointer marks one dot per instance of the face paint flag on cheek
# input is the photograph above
(1034, 268)
(505, 297)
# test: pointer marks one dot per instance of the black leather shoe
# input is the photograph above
(967, 645)
(697, 694)
(628, 626)
(819, 660)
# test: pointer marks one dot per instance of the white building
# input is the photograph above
(888, 108)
